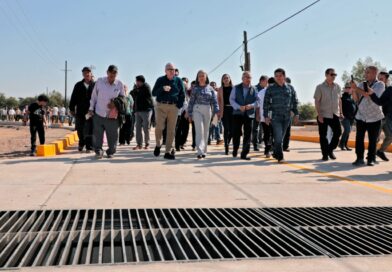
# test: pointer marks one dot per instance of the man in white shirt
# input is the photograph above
(102, 106)
(55, 114)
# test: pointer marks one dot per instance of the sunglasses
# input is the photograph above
(333, 74)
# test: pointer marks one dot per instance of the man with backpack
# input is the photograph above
(106, 108)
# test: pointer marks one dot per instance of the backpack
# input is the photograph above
(121, 104)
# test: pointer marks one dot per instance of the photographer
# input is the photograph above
(368, 116)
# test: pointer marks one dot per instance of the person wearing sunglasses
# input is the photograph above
(327, 99)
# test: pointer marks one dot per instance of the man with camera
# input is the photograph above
(368, 116)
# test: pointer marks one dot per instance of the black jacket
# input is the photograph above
(142, 97)
(80, 98)
(349, 107)
(385, 100)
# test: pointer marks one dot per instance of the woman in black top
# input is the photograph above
(226, 110)
(349, 109)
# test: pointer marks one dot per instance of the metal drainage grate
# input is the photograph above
(75, 237)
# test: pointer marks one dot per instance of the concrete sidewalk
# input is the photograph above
(136, 179)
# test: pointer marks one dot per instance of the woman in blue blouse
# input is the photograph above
(202, 104)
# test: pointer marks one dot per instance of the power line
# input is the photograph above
(27, 18)
(262, 33)
(25, 35)
(285, 20)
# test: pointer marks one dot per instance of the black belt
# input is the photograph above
(167, 102)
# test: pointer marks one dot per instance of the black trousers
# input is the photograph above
(84, 129)
(193, 135)
(267, 137)
(373, 130)
(34, 129)
(334, 124)
(239, 122)
(182, 131)
(227, 121)
(126, 130)
(286, 139)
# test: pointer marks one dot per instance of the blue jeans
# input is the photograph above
(279, 127)
(347, 124)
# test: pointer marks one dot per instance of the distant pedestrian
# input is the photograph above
(143, 112)
(104, 111)
(267, 128)
(243, 99)
(126, 128)
(182, 129)
(37, 122)
(369, 115)
(349, 108)
(226, 110)
(170, 95)
(79, 106)
(203, 104)
(327, 99)
(280, 102)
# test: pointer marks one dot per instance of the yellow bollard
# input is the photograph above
(46, 150)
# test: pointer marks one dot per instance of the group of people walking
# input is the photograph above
(106, 107)
(367, 103)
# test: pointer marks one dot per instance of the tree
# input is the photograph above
(358, 70)
(3, 100)
(55, 99)
(307, 111)
(12, 102)
(23, 101)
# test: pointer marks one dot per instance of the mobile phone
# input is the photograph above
(365, 86)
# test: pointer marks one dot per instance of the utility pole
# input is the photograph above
(246, 53)
(65, 89)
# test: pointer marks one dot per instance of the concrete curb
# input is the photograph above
(315, 139)
(57, 147)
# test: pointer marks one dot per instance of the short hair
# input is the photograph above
(246, 73)
(169, 64)
(372, 67)
(176, 70)
(329, 70)
(185, 79)
(280, 70)
(384, 74)
(263, 78)
(288, 80)
(43, 98)
(271, 80)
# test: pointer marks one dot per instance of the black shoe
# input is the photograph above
(169, 156)
(157, 151)
(178, 149)
(325, 158)
(203, 156)
(173, 152)
(235, 153)
(245, 158)
(359, 162)
(199, 157)
(348, 149)
(342, 147)
(256, 148)
(226, 150)
(99, 154)
(286, 150)
(370, 163)
(381, 155)
(32, 154)
(282, 160)
(80, 148)
(331, 155)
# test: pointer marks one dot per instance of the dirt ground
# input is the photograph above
(15, 140)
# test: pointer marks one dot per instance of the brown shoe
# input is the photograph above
(138, 147)
(146, 146)
(219, 142)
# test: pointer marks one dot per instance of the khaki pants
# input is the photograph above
(163, 112)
